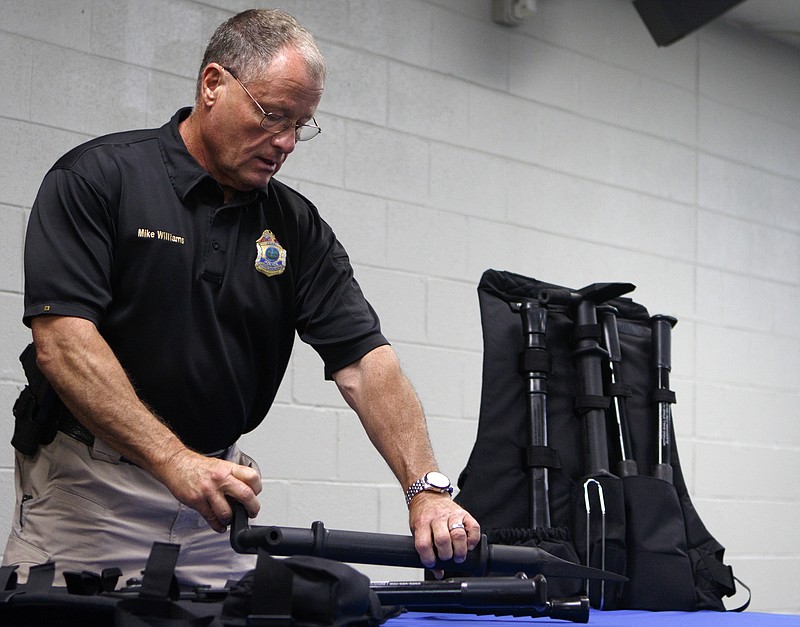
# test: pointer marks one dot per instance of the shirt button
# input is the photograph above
(215, 245)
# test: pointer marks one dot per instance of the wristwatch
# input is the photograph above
(431, 482)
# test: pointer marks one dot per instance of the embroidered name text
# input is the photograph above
(162, 235)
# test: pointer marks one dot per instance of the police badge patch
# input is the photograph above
(270, 255)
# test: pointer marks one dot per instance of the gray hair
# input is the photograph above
(249, 41)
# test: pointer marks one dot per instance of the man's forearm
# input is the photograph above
(85, 373)
(87, 376)
(390, 412)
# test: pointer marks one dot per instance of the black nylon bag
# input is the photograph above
(303, 591)
(653, 534)
(300, 591)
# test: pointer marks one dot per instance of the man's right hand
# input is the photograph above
(85, 373)
(205, 484)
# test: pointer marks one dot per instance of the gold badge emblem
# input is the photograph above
(270, 255)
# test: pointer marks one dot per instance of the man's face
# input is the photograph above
(236, 151)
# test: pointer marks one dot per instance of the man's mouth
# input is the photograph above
(269, 164)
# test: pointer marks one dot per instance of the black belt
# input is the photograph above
(71, 427)
(68, 425)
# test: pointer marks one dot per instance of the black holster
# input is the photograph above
(37, 409)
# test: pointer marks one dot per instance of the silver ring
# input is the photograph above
(458, 525)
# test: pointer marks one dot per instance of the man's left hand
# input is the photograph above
(441, 529)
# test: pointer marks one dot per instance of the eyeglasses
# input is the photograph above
(275, 123)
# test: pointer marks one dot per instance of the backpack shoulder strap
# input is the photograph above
(272, 591)
(158, 579)
(156, 604)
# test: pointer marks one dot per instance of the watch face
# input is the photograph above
(437, 480)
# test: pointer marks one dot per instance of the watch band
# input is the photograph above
(424, 485)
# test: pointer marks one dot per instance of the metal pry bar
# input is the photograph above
(500, 596)
(661, 327)
(607, 315)
(587, 502)
(535, 367)
(395, 550)
(587, 354)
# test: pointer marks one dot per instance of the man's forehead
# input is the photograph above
(287, 63)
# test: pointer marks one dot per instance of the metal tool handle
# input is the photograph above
(661, 331)
(607, 316)
(500, 596)
(481, 592)
(588, 355)
(394, 550)
(534, 327)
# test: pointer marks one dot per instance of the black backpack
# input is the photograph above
(553, 466)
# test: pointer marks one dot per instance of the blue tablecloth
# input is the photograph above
(618, 618)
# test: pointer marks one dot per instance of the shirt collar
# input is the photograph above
(185, 173)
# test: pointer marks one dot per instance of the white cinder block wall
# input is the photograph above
(571, 149)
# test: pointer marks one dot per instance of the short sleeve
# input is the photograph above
(68, 250)
(333, 315)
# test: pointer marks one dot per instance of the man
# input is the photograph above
(166, 275)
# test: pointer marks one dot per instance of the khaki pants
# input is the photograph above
(84, 512)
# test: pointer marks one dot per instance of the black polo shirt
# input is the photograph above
(128, 231)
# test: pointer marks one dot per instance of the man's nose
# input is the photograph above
(286, 139)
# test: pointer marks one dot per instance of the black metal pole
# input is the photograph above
(499, 596)
(607, 315)
(481, 592)
(661, 328)
(588, 356)
(361, 547)
(535, 366)
(588, 359)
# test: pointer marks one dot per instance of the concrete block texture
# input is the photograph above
(112, 97)
(42, 145)
(570, 148)
(144, 34)
(13, 337)
(11, 243)
(749, 193)
(67, 25)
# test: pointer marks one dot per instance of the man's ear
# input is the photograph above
(211, 81)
